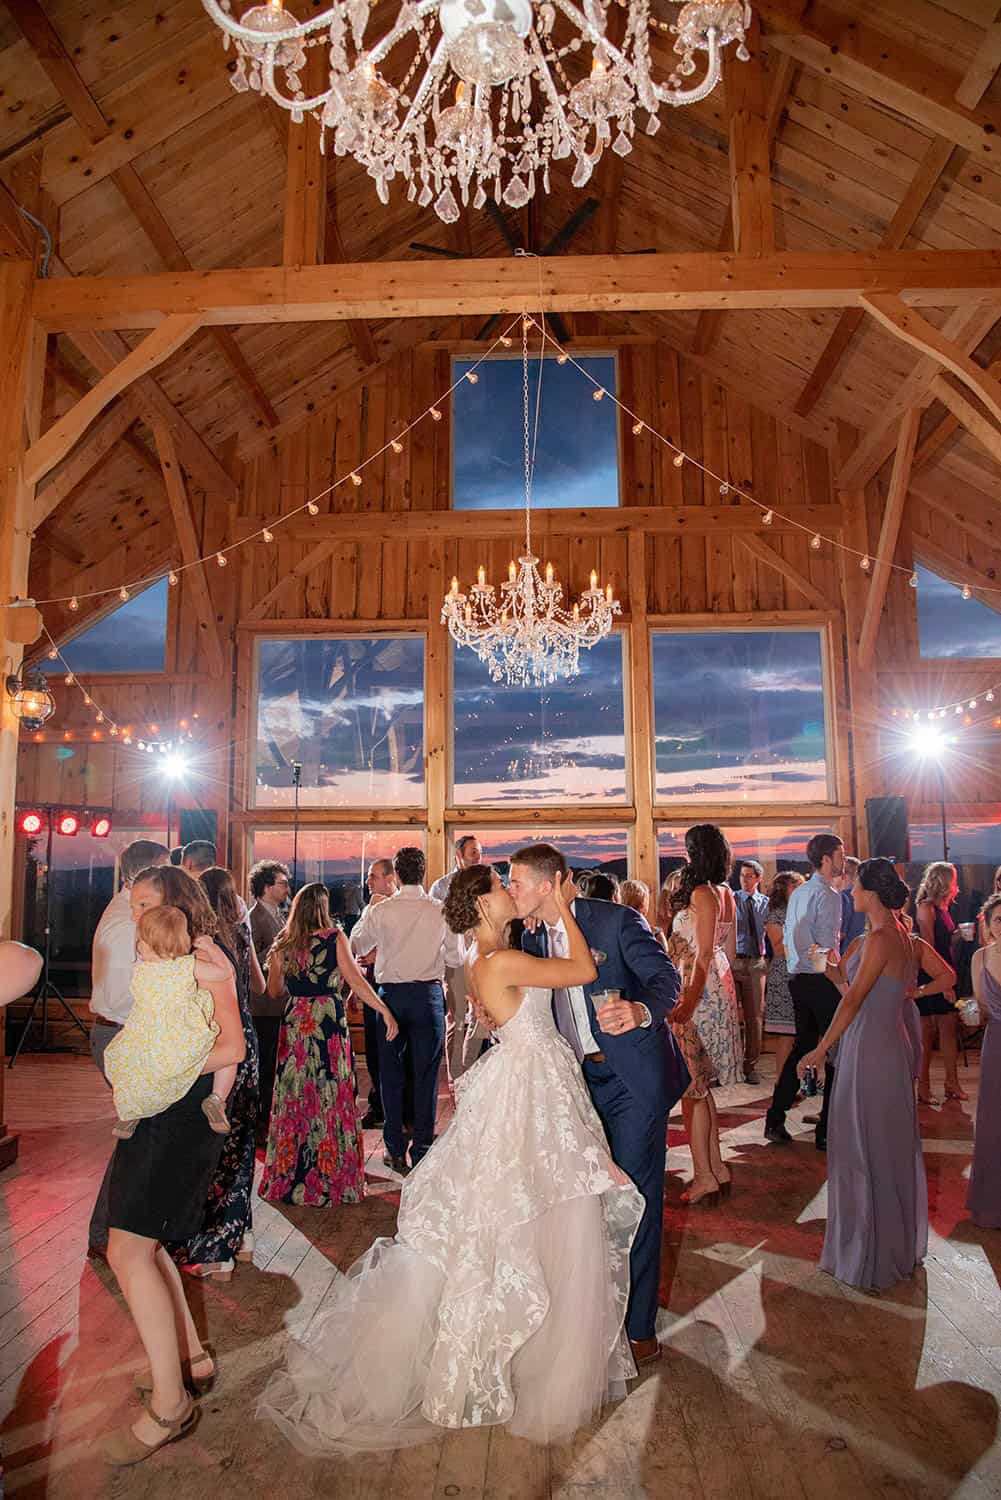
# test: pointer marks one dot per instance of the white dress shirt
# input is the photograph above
(113, 958)
(411, 941)
(439, 890)
(559, 947)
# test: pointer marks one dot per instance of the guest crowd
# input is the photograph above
(246, 1025)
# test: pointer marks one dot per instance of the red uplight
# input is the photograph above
(100, 828)
(67, 824)
(32, 823)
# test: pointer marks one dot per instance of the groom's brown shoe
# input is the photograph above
(645, 1351)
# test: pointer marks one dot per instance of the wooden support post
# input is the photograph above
(306, 181)
(436, 724)
(157, 346)
(750, 177)
(889, 532)
(17, 368)
(646, 865)
(194, 575)
(763, 553)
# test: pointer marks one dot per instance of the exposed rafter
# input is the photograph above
(889, 532)
(986, 432)
(909, 326)
(180, 509)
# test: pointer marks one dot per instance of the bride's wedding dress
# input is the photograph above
(502, 1298)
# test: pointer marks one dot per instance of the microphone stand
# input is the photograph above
(296, 783)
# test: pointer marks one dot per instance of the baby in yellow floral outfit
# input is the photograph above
(161, 1050)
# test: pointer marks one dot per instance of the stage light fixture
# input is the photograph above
(68, 825)
(32, 823)
(100, 827)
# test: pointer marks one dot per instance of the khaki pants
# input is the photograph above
(749, 977)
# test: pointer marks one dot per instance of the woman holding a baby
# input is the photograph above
(171, 1067)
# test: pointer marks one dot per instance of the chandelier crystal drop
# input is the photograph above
(468, 98)
(527, 634)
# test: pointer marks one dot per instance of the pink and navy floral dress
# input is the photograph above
(315, 1154)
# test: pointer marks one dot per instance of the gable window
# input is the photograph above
(132, 638)
(350, 711)
(577, 455)
(949, 625)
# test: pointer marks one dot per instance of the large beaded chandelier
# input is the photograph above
(528, 635)
(469, 98)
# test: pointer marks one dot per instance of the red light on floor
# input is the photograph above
(32, 823)
(100, 828)
(67, 824)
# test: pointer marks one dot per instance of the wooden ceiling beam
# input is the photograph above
(763, 553)
(47, 45)
(977, 425)
(187, 537)
(980, 74)
(305, 219)
(966, 328)
(709, 324)
(889, 69)
(586, 283)
(65, 372)
(100, 440)
(160, 344)
(984, 585)
(888, 534)
(943, 431)
(955, 512)
(910, 327)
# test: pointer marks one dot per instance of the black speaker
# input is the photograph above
(886, 820)
(197, 823)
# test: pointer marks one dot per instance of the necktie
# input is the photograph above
(562, 1008)
(752, 927)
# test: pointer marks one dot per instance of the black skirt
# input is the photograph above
(160, 1178)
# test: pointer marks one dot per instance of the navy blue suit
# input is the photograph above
(641, 1079)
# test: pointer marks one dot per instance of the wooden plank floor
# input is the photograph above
(776, 1382)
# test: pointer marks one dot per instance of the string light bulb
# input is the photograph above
(123, 593)
(967, 591)
(74, 603)
(313, 508)
(599, 394)
(220, 558)
(435, 414)
(266, 535)
(562, 358)
(637, 428)
(356, 480)
(724, 490)
(913, 580)
(505, 341)
(989, 695)
(973, 702)
(866, 564)
(172, 580)
(396, 446)
(472, 377)
(679, 459)
(768, 518)
(69, 679)
(53, 654)
(816, 541)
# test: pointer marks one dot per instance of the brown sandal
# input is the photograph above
(123, 1450)
(198, 1385)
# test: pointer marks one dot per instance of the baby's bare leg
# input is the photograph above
(214, 1107)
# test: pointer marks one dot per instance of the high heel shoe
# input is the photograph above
(725, 1186)
(708, 1198)
(955, 1091)
(123, 1450)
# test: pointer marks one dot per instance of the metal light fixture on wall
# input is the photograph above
(31, 701)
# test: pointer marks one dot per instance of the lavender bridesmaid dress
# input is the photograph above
(877, 1196)
(984, 1199)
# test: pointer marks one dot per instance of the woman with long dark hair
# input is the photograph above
(706, 1019)
(877, 1196)
(159, 1182)
(938, 890)
(226, 1233)
(315, 1153)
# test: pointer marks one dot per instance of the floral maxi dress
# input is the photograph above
(315, 1154)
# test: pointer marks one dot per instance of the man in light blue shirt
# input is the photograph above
(812, 924)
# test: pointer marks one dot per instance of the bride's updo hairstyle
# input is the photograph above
(880, 877)
(460, 909)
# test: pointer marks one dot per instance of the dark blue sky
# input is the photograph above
(949, 625)
(576, 461)
(132, 638)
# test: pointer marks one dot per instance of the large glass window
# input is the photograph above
(132, 638)
(949, 625)
(975, 850)
(776, 846)
(564, 743)
(350, 711)
(583, 848)
(576, 455)
(739, 716)
(339, 857)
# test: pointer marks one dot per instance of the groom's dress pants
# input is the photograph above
(419, 1010)
(638, 1144)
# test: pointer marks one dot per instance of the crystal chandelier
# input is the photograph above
(528, 635)
(478, 97)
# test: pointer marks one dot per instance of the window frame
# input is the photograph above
(309, 810)
(125, 674)
(822, 623)
(459, 358)
(626, 806)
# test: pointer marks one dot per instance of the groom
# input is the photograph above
(632, 1066)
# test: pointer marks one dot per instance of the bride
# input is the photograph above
(502, 1298)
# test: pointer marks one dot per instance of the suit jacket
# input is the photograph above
(630, 959)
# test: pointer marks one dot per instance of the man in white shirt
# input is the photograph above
(463, 1034)
(112, 959)
(412, 948)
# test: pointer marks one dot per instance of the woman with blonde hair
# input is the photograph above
(938, 889)
(635, 893)
(315, 1153)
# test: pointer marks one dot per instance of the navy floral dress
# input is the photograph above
(315, 1152)
(228, 1211)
